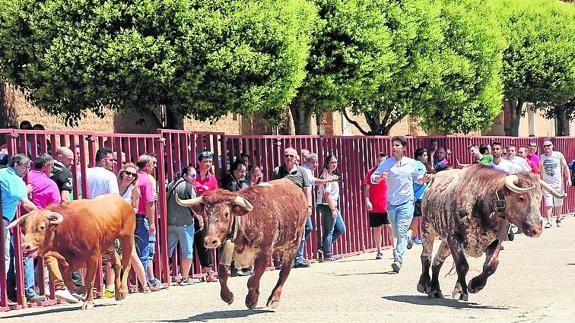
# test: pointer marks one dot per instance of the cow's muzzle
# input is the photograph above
(533, 231)
(29, 251)
(212, 242)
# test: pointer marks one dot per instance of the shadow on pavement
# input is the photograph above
(389, 272)
(52, 309)
(448, 302)
(218, 315)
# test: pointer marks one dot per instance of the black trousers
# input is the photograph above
(204, 255)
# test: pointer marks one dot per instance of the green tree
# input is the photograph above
(447, 58)
(350, 55)
(196, 58)
(539, 63)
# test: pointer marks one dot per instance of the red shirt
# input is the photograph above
(377, 193)
(204, 184)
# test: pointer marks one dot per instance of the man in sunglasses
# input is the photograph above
(297, 175)
(555, 172)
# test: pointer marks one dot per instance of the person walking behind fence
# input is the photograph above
(296, 174)
(328, 206)
(311, 164)
(401, 173)
(555, 172)
(181, 221)
(376, 204)
(129, 191)
(205, 182)
(421, 157)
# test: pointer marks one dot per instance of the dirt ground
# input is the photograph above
(534, 283)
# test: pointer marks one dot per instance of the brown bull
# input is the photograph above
(78, 233)
(470, 210)
(261, 220)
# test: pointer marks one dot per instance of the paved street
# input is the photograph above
(534, 283)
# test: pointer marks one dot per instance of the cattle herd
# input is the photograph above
(466, 208)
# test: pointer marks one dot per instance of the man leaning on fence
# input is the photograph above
(13, 192)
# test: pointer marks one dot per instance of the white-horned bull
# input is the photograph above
(261, 220)
(470, 210)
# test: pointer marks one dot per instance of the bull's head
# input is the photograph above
(37, 227)
(523, 201)
(219, 216)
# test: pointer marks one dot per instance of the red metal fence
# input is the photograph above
(176, 149)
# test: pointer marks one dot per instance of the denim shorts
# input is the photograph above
(184, 235)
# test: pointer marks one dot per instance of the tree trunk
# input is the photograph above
(174, 120)
(301, 119)
(3, 107)
(562, 128)
(515, 112)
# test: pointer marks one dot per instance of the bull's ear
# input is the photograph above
(239, 210)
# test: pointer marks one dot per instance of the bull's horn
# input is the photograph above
(55, 218)
(16, 222)
(240, 201)
(188, 203)
(510, 183)
(550, 189)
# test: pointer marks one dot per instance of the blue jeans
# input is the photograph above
(183, 234)
(400, 217)
(305, 237)
(28, 271)
(142, 238)
(332, 228)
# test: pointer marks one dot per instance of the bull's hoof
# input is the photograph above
(435, 294)
(476, 284)
(464, 297)
(251, 302)
(120, 295)
(459, 293)
(273, 304)
(88, 305)
(227, 297)
(424, 285)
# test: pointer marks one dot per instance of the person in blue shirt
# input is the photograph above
(14, 191)
(421, 157)
(400, 172)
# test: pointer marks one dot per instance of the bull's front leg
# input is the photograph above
(461, 266)
(424, 284)
(442, 254)
(260, 264)
(91, 266)
(225, 293)
(288, 259)
(491, 262)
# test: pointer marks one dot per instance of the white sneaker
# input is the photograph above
(409, 239)
(80, 297)
(65, 295)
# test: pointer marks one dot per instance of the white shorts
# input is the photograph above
(551, 201)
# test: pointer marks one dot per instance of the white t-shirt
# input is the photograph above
(552, 169)
(331, 187)
(504, 165)
(101, 181)
(520, 165)
(309, 175)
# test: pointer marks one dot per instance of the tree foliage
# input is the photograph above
(197, 58)
(349, 57)
(539, 63)
(447, 58)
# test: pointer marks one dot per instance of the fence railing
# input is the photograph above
(176, 149)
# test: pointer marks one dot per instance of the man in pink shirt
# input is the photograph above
(44, 190)
(146, 216)
(532, 153)
(205, 182)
